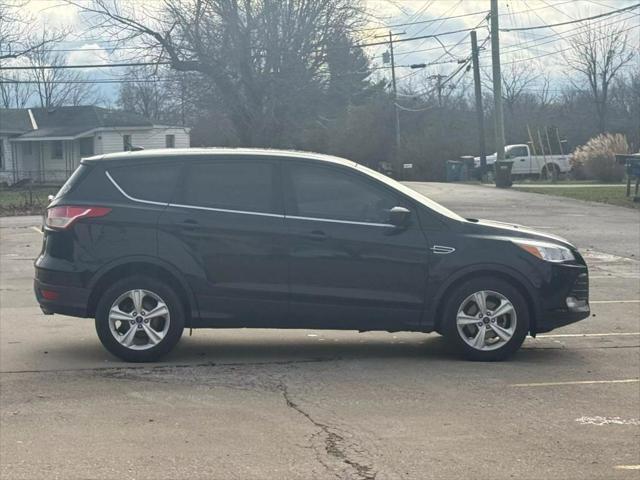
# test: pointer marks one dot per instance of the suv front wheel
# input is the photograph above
(486, 319)
(139, 319)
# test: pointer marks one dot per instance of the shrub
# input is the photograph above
(596, 160)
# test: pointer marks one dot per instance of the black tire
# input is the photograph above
(455, 301)
(175, 327)
(549, 171)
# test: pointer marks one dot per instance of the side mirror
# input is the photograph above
(399, 216)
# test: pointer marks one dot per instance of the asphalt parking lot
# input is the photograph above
(260, 404)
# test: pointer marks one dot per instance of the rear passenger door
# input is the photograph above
(226, 222)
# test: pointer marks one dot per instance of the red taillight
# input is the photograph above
(63, 217)
(49, 294)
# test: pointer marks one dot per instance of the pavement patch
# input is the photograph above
(600, 421)
(576, 382)
(569, 335)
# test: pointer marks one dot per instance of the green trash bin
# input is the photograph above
(454, 170)
(503, 174)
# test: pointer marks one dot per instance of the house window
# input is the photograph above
(126, 142)
(86, 147)
(170, 141)
(56, 149)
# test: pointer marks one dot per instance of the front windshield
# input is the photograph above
(436, 207)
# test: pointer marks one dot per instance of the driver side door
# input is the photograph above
(521, 161)
(349, 268)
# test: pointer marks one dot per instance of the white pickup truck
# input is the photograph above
(526, 164)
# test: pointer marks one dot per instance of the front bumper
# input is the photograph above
(567, 298)
(65, 300)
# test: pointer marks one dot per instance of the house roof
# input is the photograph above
(14, 120)
(67, 121)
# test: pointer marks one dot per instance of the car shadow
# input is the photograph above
(248, 347)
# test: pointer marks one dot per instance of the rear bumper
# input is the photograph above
(64, 300)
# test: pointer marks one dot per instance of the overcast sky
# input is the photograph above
(539, 49)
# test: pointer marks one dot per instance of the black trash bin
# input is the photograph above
(503, 174)
(454, 170)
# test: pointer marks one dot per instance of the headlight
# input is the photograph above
(546, 251)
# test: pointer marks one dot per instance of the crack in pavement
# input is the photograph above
(336, 445)
(124, 368)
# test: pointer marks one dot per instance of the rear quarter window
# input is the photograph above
(149, 181)
(75, 178)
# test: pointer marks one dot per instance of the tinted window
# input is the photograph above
(518, 152)
(325, 192)
(73, 180)
(234, 185)
(155, 181)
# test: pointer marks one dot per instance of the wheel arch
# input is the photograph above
(549, 166)
(141, 265)
(513, 277)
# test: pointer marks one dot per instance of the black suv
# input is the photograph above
(151, 242)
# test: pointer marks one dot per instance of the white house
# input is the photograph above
(46, 145)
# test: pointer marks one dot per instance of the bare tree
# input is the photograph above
(599, 53)
(16, 28)
(14, 93)
(266, 60)
(142, 93)
(55, 85)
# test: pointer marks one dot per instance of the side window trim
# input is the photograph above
(179, 205)
(335, 220)
(126, 195)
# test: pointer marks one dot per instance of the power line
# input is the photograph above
(483, 12)
(561, 50)
(91, 65)
(136, 64)
(606, 14)
(420, 22)
(527, 44)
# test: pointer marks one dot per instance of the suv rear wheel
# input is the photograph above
(139, 319)
(486, 319)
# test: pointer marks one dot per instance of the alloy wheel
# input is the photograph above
(139, 319)
(486, 320)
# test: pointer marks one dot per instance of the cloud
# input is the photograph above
(88, 54)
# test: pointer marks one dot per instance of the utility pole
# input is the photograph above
(396, 111)
(439, 86)
(479, 110)
(497, 81)
(395, 92)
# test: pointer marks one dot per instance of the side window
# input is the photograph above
(155, 182)
(330, 193)
(518, 152)
(241, 185)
